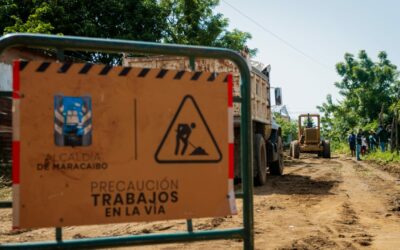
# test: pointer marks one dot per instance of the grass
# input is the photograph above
(340, 148)
(383, 157)
(376, 156)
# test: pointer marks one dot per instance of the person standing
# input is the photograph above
(352, 143)
(364, 145)
(372, 141)
(383, 137)
(358, 144)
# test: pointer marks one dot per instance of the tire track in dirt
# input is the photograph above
(315, 197)
(371, 191)
(348, 219)
(362, 221)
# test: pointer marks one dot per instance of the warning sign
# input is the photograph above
(188, 138)
(96, 144)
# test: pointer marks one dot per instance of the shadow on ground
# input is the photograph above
(296, 184)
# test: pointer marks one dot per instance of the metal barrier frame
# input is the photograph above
(75, 43)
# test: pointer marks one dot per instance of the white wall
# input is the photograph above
(5, 77)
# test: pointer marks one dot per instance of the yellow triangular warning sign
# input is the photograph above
(188, 138)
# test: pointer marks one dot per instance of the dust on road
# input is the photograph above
(317, 204)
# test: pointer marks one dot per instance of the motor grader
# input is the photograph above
(309, 138)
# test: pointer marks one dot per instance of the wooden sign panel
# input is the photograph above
(97, 144)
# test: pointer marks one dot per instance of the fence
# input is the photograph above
(62, 43)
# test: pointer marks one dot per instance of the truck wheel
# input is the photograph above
(296, 149)
(276, 168)
(260, 161)
(327, 149)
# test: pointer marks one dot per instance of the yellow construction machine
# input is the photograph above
(309, 134)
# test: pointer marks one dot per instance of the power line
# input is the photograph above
(278, 37)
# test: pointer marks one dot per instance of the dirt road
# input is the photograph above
(317, 204)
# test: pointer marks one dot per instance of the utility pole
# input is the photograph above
(392, 133)
(397, 121)
(397, 131)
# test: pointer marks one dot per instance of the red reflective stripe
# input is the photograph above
(16, 144)
(230, 105)
(15, 161)
(230, 90)
(231, 160)
(16, 85)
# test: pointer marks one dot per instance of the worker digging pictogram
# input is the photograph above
(188, 138)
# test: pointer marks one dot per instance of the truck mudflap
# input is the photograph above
(72, 121)
(272, 151)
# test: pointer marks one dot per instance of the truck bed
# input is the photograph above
(260, 89)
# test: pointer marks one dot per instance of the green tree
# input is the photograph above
(34, 22)
(129, 19)
(289, 128)
(173, 21)
(368, 89)
(193, 22)
(125, 19)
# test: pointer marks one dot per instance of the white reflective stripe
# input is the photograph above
(86, 117)
(59, 116)
(15, 119)
(58, 129)
(87, 129)
(15, 205)
(232, 199)
(6, 77)
(230, 126)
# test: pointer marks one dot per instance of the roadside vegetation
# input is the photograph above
(340, 148)
(383, 157)
(168, 21)
(289, 127)
(370, 92)
(377, 156)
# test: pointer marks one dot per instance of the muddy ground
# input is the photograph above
(317, 204)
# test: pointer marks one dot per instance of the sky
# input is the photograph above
(303, 41)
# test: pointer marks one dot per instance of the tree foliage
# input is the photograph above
(369, 88)
(193, 22)
(34, 22)
(125, 19)
(289, 128)
(172, 21)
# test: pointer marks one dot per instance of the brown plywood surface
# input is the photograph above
(131, 169)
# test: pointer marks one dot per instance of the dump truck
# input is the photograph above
(267, 138)
(310, 141)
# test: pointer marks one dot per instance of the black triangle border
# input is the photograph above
(170, 127)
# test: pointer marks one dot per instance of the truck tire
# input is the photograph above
(260, 160)
(327, 149)
(296, 149)
(276, 167)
